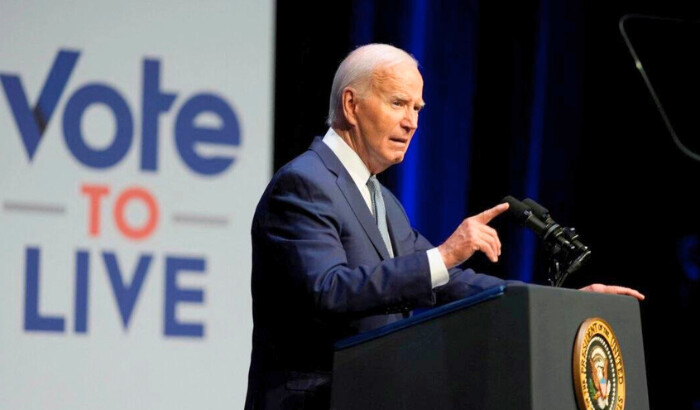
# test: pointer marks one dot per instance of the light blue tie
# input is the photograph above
(379, 211)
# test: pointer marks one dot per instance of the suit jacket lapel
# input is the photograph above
(352, 195)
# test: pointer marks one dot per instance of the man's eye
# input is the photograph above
(397, 103)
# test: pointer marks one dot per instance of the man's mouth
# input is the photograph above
(399, 140)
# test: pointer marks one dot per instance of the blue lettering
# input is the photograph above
(72, 116)
(126, 295)
(33, 320)
(188, 134)
(154, 103)
(32, 123)
(175, 295)
(82, 270)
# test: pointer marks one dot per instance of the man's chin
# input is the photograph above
(391, 158)
(398, 158)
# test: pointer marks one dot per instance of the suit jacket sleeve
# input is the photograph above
(463, 282)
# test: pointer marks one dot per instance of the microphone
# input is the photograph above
(524, 215)
(539, 211)
(562, 244)
(569, 235)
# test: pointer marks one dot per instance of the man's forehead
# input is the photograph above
(398, 78)
(397, 70)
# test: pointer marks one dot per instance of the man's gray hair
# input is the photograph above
(356, 70)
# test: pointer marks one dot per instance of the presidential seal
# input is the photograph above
(599, 374)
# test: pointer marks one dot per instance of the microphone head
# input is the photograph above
(537, 209)
(517, 209)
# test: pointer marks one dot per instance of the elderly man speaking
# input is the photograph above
(333, 251)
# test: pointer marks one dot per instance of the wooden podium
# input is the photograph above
(506, 348)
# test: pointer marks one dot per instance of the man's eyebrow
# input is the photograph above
(406, 98)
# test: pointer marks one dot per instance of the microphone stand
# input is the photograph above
(565, 259)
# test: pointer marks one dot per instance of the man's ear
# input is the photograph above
(350, 99)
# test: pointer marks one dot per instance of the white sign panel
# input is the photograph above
(135, 140)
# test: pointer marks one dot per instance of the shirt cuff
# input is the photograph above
(438, 271)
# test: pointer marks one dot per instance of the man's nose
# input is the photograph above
(410, 120)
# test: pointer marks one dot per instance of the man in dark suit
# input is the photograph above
(333, 251)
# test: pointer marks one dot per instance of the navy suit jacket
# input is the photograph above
(321, 272)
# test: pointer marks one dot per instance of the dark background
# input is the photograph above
(536, 99)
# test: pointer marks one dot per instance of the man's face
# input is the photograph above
(387, 116)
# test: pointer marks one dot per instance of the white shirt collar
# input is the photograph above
(348, 157)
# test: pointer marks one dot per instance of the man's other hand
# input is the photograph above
(615, 290)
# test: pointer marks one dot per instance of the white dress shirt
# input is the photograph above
(360, 174)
